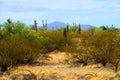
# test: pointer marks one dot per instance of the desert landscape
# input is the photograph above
(59, 40)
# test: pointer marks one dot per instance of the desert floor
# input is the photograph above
(57, 69)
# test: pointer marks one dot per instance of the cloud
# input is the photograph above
(61, 5)
(85, 11)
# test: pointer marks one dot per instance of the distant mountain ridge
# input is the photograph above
(85, 26)
(57, 25)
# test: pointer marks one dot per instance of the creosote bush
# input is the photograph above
(19, 45)
(14, 50)
(78, 50)
(97, 46)
(102, 46)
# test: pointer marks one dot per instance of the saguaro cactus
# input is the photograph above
(35, 24)
(79, 28)
(65, 33)
(43, 24)
(67, 28)
(46, 25)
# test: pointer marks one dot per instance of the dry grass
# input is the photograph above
(55, 69)
(57, 57)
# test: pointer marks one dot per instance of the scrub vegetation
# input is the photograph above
(22, 45)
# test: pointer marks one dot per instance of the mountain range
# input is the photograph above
(57, 25)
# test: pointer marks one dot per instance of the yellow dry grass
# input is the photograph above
(57, 57)
(55, 69)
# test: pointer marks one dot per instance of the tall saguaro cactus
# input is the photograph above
(35, 24)
(46, 25)
(67, 28)
(43, 24)
(79, 28)
(65, 33)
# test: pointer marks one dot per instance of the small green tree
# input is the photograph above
(8, 26)
(103, 27)
(18, 27)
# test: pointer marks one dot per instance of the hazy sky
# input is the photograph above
(93, 12)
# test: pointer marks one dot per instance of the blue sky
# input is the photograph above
(93, 12)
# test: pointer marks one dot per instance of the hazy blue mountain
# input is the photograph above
(57, 25)
(85, 27)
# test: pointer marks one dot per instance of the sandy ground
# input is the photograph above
(57, 69)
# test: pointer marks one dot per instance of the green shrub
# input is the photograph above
(102, 46)
(78, 50)
(14, 50)
(56, 39)
(20, 45)
(73, 28)
(99, 47)
(18, 27)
